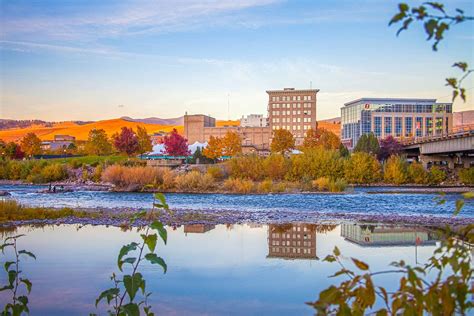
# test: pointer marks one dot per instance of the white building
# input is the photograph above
(253, 120)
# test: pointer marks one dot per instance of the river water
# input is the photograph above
(361, 201)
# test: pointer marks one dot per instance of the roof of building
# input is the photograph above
(390, 100)
(286, 90)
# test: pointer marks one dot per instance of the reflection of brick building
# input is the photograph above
(292, 241)
(386, 235)
(198, 228)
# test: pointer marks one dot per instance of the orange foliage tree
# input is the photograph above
(213, 149)
(282, 141)
(231, 144)
(321, 137)
(31, 144)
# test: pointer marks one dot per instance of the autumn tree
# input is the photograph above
(175, 144)
(362, 168)
(282, 141)
(12, 151)
(213, 149)
(389, 146)
(321, 137)
(31, 144)
(368, 143)
(126, 141)
(231, 144)
(98, 143)
(144, 140)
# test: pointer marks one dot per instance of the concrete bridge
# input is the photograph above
(455, 148)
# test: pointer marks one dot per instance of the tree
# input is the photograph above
(175, 144)
(31, 144)
(389, 146)
(368, 143)
(13, 151)
(231, 144)
(213, 149)
(126, 141)
(144, 140)
(282, 141)
(321, 137)
(98, 143)
(436, 21)
(343, 151)
(396, 170)
(362, 168)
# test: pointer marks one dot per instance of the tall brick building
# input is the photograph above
(293, 110)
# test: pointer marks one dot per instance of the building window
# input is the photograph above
(419, 126)
(388, 126)
(429, 126)
(408, 126)
(378, 126)
(398, 126)
(439, 125)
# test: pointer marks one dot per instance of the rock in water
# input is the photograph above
(5, 193)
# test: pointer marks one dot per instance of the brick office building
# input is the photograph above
(293, 110)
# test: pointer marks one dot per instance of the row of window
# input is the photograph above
(289, 120)
(291, 243)
(294, 112)
(290, 105)
(409, 127)
(294, 127)
(292, 250)
(293, 98)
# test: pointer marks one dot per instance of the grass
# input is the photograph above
(91, 160)
(11, 210)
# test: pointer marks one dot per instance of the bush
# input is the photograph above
(316, 163)
(247, 167)
(275, 166)
(168, 178)
(338, 185)
(53, 172)
(132, 178)
(466, 176)
(436, 175)
(396, 170)
(194, 181)
(215, 172)
(362, 168)
(417, 174)
(97, 174)
(238, 185)
(321, 184)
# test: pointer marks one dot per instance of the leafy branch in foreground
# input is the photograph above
(446, 291)
(123, 297)
(19, 302)
(436, 21)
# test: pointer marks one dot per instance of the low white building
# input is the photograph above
(253, 120)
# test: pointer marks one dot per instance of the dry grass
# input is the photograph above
(133, 178)
(11, 210)
(194, 181)
(239, 185)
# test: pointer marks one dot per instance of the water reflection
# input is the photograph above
(214, 270)
(370, 235)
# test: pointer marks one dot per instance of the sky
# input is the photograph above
(91, 60)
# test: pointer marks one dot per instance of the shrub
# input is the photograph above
(215, 172)
(338, 185)
(132, 178)
(265, 186)
(54, 172)
(247, 167)
(97, 174)
(168, 178)
(436, 175)
(396, 170)
(321, 184)
(466, 176)
(238, 185)
(362, 168)
(194, 180)
(417, 174)
(275, 166)
(315, 163)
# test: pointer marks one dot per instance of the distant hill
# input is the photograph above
(8, 123)
(156, 120)
(332, 125)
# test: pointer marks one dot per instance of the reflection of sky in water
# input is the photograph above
(358, 202)
(220, 271)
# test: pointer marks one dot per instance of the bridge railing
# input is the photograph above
(458, 131)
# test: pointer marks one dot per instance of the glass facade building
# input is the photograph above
(400, 118)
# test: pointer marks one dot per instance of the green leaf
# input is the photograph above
(154, 259)
(459, 206)
(130, 260)
(162, 199)
(161, 230)
(30, 254)
(136, 216)
(132, 284)
(11, 276)
(27, 283)
(336, 252)
(5, 245)
(8, 264)
(6, 287)
(108, 294)
(461, 65)
(359, 264)
(436, 5)
(430, 27)
(131, 309)
(468, 195)
(150, 241)
(124, 251)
